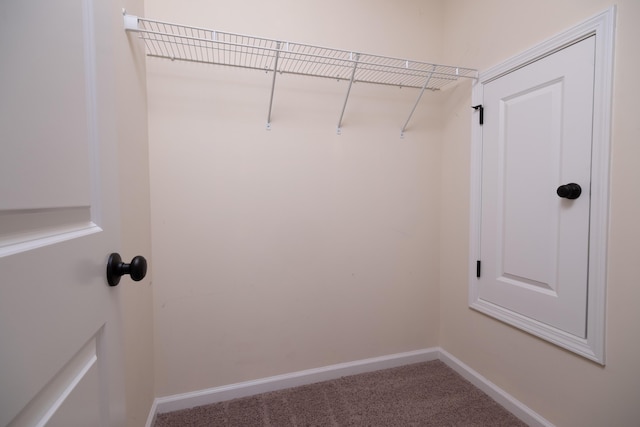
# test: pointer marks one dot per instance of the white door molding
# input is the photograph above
(601, 26)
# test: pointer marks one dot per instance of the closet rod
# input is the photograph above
(202, 45)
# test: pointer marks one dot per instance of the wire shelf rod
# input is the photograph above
(203, 45)
(465, 72)
(304, 57)
(301, 57)
(362, 78)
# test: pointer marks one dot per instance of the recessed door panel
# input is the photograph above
(535, 244)
(526, 149)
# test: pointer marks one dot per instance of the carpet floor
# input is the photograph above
(422, 394)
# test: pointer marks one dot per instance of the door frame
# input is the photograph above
(602, 26)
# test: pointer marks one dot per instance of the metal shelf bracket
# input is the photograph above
(273, 84)
(424, 87)
(353, 74)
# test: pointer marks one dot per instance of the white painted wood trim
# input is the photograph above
(293, 379)
(151, 419)
(510, 403)
(593, 347)
(475, 204)
(600, 176)
(602, 25)
(279, 382)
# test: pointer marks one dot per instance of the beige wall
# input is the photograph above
(282, 250)
(288, 249)
(133, 151)
(566, 389)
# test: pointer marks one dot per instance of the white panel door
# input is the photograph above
(537, 137)
(59, 339)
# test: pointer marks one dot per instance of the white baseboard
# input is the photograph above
(510, 403)
(310, 376)
(151, 419)
(280, 382)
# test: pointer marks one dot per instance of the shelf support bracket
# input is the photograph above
(426, 83)
(130, 21)
(344, 106)
(273, 85)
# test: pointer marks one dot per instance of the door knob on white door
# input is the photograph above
(569, 191)
(137, 269)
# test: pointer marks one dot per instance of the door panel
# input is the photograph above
(535, 245)
(71, 398)
(58, 213)
(527, 175)
(44, 91)
(81, 407)
(46, 123)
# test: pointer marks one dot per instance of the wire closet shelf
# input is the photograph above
(185, 43)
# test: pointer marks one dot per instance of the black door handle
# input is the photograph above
(569, 191)
(116, 268)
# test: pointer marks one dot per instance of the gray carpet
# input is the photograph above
(423, 394)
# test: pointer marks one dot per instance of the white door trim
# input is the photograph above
(603, 27)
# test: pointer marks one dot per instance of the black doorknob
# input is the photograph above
(569, 191)
(116, 268)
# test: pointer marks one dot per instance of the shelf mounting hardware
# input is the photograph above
(273, 84)
(424, 87)
(353, 74)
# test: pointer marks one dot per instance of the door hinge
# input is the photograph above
(480, 108)
(478, 263)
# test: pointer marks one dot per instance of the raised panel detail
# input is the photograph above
(76, 384)
(527, 146)
(25, 229)
(41, 121)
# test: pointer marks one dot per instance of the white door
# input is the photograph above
(537, 137)
(60, 353)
